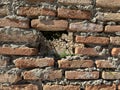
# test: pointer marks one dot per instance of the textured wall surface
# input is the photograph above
(59, 44)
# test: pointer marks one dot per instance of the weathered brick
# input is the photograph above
(60, 87)
(20, 87)
(109, 17)
(101, 87)
(115, 51)
(14, 23)
(86, 51)
(108, 3)
(119, 87)
(115, 40)
(33, 62)
(88, 27)
(111, 75)
(113, 28)
(81, 75)
(92, 40)
(74, 14)
(104, 64)
(75, 63)
(75, 2)
(3, 11)
(35, 11)
(38, 1)
(4, 61)
(11, 78)
(51, 25)
(36, 74)
(18, 35)
(18, 51)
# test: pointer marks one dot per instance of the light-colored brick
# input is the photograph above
(33, 62)
(115, 40)
(18, 35)
(81, 75)
(74, 14)
(75, 63)
(60, 87)
(115, 51)
(111, 75)
(14, 23)
(104, 64)
(86, 51)
(35, 11)
(85, 27)
(113, 28)
(119, 87)
(75, 2)
(11, 78)
(108, 3)
(18, 51)
(51, 25)
(92, 40)
(3, 11)
(101, 87)
(4, 61)
(20, 87)
(41, 74)
(109, 17)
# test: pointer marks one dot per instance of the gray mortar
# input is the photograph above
(14, 17)
(14, 71)
(15, 4)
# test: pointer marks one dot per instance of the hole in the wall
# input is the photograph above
(55, 44)
(50, 35)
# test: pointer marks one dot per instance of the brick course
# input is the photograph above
(81, 75)
(59, 45)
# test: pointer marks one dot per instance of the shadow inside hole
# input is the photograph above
(48, 48)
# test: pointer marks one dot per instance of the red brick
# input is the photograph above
(115, 40)
(75, 2)
(113, 28)
(18, 35)
(36, 74)
(20, 87)
(39, 1)
(86, 51)
(88, 27)
(92, 40)
(18, 51)
(73, 14)
(111, 75)
(35, 11)
(115, 51)
(32, 62)
(101, 87)
(104, 64)
(109, 17)
(14, 23)
(81, 75)
(108, 3)
(51, 25)
(119, 87)
(75, 63)
(11, 78)
(60, 87)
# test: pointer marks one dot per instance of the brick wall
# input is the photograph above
(59, 44)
